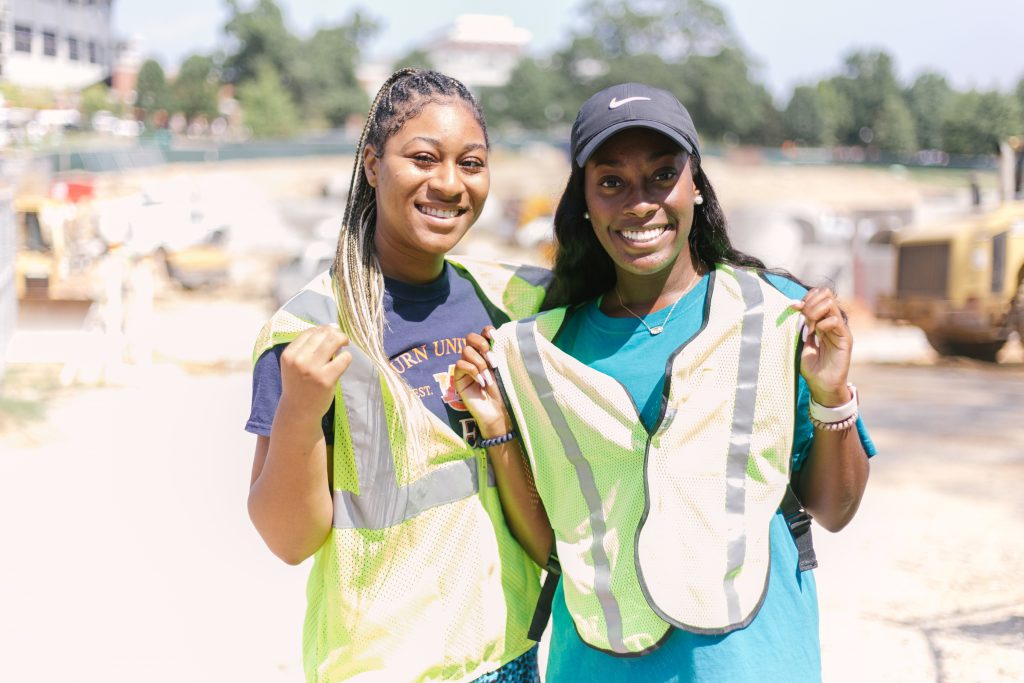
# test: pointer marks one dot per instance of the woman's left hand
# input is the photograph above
(828, 345)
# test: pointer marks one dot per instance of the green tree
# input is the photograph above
(414, 58)
(194, 91)
(685, 46)
(656, 71)
(671, 29)
(97, 98)
(838, 113)
(894, 126)
(325, 71)
(534, 97)
(928, 99)
(30, 98)
(867, 82)
(805, 119)
(258, 37)
(978, 121)
(268, 107)
(1019, 92)
(151, 89)
(725, 102)
(319, 73)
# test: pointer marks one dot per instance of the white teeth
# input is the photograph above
(439, 213)
(643, 235)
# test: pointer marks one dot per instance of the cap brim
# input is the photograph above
(598, 140)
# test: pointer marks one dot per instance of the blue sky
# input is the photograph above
(974, 44)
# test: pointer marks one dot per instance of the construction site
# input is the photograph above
(131, 301)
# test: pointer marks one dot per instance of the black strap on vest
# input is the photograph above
(799, 522)
(547, 596)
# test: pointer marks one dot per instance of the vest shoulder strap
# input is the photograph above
(799, 522)
(514, 290)
(314, 305)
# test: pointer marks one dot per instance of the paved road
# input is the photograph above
(128, 554)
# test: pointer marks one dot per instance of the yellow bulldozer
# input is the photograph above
(57, 247)
(962, 280)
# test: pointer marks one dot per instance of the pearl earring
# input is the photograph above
(586, 215)
(698, 200)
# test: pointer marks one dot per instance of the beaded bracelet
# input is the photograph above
(504, 438)
(840, 426)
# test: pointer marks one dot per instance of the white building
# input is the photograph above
(56, 44)
(479, 49)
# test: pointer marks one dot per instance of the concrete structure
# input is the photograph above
(479, 49)
(56, 44)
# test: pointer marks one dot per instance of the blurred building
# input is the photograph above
(124, 69)
(56, 44)
(479, 49)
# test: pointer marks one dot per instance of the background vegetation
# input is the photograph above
(285, 83)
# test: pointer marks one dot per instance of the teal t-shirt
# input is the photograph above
(781, 643)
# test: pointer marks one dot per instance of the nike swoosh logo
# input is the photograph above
(615, 104)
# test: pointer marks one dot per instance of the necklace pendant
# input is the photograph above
(657, 329)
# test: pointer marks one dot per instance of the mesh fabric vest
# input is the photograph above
(420, 578)
(668, 528)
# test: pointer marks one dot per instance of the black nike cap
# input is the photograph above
(631, 105)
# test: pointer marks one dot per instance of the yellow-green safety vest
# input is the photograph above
(668, 528)
(420, 578)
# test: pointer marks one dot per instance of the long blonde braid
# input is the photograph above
(356, 274)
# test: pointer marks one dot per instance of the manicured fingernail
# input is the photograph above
(488, 376)
(803, 334)
(489, 333)
(491, 358)
(481, 381)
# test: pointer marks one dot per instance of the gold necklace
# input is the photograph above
(657, 329)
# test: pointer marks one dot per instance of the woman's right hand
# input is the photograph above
(311, 366)
(474, 380)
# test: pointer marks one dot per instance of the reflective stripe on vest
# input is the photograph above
(622, 593)
(381, 502)
(742, 428)
(420, 579)
(602, 569)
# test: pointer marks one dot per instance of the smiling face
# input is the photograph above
(431, 181)
(639, 192)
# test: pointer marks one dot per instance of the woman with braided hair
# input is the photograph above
(365, 457)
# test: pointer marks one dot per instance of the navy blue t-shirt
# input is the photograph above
(425, 330)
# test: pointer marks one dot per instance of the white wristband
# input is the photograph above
(837, 414)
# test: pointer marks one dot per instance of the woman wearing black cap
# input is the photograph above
(669, 404)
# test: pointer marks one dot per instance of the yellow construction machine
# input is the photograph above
(962, 281)
(57, 246)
